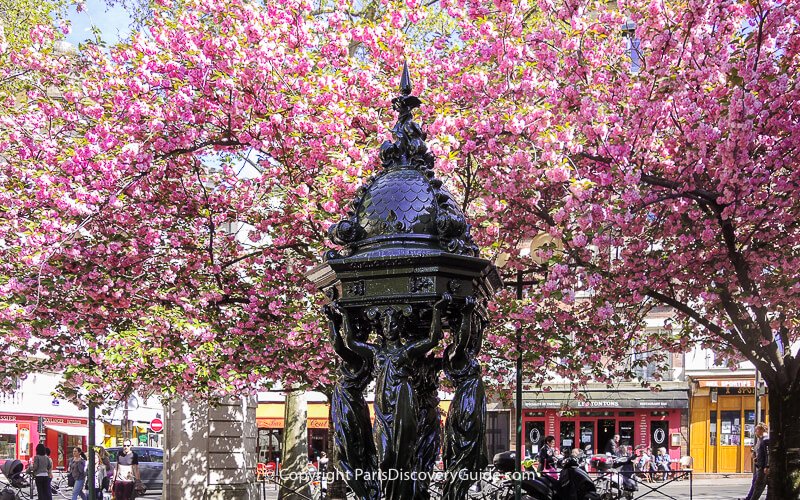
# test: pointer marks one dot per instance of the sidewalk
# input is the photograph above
(716, 488)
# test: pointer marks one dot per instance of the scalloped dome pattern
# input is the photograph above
(398, 201)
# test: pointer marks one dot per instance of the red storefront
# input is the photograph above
(640, 417)
(19, 435)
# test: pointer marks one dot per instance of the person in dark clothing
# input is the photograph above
(760, 463)
(613, 445)
(547, 457)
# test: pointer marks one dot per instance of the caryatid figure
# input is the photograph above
(465, 430)
(396, 406)
(352, 429)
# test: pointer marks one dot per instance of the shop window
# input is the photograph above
(567, 437)
(730, 432)
(8, 446)
(74, 442)
(749, 427)
(587, 436)
(626, 432)
(534, 434)
(269, 445)
(712, 432)
(606, 428)
(497, 431)
(317, 443)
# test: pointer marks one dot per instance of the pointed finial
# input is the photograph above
(405, 81)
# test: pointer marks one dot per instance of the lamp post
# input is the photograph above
(527, 247)
(518, 334)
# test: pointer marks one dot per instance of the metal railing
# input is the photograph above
(611, 484)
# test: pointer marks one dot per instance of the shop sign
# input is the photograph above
(736, 391)
(606, 403)
(270, 423)
(66, 421)
(317, 423)
(8, 418)
(597, 404)
(727, 383)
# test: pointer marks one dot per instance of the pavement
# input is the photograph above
(716, 488)
(702, 489)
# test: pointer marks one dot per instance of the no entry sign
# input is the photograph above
(156, 425)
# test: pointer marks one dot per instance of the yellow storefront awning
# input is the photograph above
(270, 415)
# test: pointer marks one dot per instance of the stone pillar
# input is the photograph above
(210, 450)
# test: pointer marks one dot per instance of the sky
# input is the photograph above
(113, 22)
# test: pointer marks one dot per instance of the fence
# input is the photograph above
(614, 484)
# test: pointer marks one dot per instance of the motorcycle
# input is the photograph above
(619, 476)
(573, 482)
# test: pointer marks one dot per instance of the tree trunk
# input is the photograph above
(337, 488)
(294, 469)
(784, 442)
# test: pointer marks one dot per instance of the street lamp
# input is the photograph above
(527, 248)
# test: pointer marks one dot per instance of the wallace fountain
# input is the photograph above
(407, 307)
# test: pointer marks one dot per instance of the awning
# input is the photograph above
(6, 428)
(80, 430)
(609, 400)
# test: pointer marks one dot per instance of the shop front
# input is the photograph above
(19, 435)
(270, 423)
(722, 424)
(641, 418)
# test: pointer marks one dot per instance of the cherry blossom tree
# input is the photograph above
(652, 141)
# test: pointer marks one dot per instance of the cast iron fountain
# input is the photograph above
(408, 272)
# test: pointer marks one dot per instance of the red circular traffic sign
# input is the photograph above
(156, 425)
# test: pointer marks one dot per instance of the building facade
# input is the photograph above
(722, 414)
(270, 423)
(642, 418)
(32, 415)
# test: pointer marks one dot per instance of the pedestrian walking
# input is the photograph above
(760, 463)
(77, 469)
(127, 473)
(50, 475)
(41, 468)
(103, 469)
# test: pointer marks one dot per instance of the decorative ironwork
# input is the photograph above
(356, 288)
(407, 237)
(420, 284)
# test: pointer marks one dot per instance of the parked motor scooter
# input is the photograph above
(533, 486)
(619, 476)
(574, 483)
